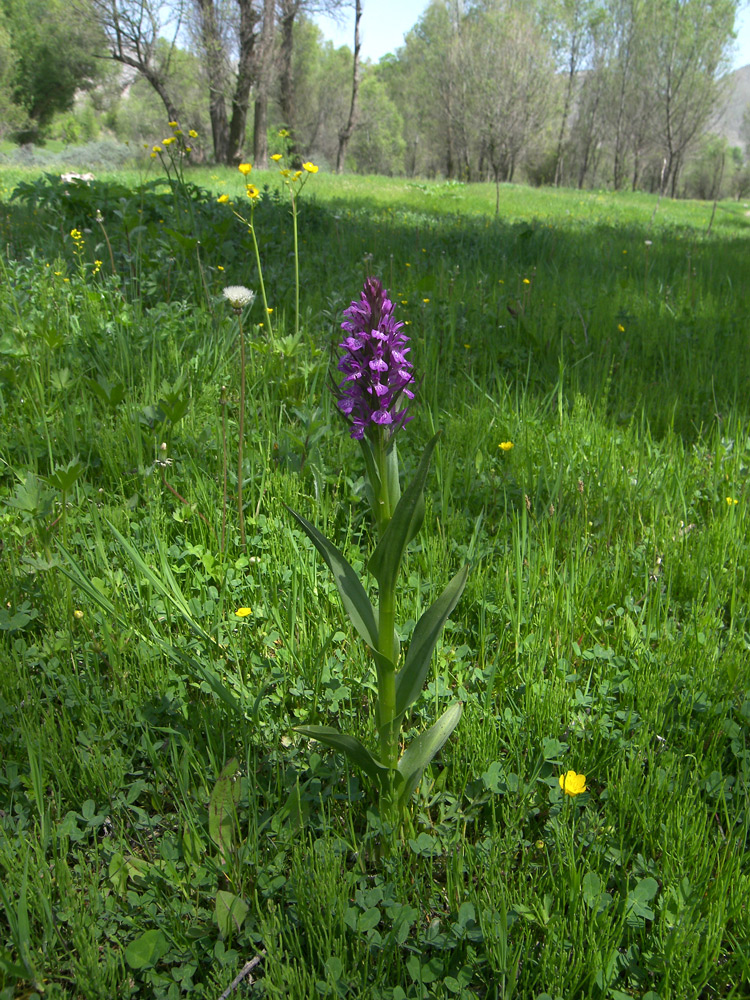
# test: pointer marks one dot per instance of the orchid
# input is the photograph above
(374, 396)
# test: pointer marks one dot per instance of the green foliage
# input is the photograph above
(55, 49)
(378, 143)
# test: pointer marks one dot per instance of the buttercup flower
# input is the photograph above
(252, 192)
(572, 783)
(243, 612)
(505, 445)
(310, 167)
(377, 372)
(223, 199)
(245, 168)
(238, 296)
(276, 157)
(193, 134)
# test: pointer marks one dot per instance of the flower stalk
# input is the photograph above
(374, 397)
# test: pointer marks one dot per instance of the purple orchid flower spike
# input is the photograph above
(378, 376)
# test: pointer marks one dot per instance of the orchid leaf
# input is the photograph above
(423, 748)
(406, 521)
(410, 679)
(372, 479)
(356, 752)
(355, 600)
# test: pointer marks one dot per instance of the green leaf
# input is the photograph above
(410, 679)
(406, 521)
(355, 600)
(229, 912)
(356, 752)
(146, 950)
(372, 479)
(65, 476)
(222, 809)
(8, 966)
(423, 748)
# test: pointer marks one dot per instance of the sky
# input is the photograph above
(385, 22)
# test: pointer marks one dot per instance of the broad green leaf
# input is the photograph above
(65, 475)
(372, 479)
(391, 471)
(229, 912)
(355, 600)
(356, 752)
(410, 679)
(406, 521)
(222, 809)
(591, 888)
(423, 748)
(146, 950)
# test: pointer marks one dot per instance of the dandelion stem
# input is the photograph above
(240, 510)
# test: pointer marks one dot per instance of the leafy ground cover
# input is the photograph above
(161, 823)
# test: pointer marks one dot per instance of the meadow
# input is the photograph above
(162, 823)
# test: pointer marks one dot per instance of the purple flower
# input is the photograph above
(377, 376)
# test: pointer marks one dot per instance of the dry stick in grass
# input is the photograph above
(242, 974)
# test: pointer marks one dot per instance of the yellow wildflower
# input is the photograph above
(310, 167)
(276, 157)
(731, 502)
(193, 134)
(156, 149)
(252, 192)
(172, 124)
(572, 783)
(223, 199)
(505, 445)
(243, 612)
(245, 168)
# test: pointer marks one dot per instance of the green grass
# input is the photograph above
(604, 628)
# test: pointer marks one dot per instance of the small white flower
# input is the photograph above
(238, 296)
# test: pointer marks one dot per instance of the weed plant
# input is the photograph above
(161, 822)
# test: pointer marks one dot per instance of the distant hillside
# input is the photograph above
(738, 98)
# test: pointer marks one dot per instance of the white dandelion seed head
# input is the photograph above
(238, 296)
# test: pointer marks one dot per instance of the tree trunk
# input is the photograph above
(216, 70)
(289, 11)
(346, 133)
(245, 74)
(260, 125)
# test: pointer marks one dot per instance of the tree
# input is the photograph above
(570, 29)
(377, 145)
(51, 54)
(691, 50)
(509, 74)
(135, 32)
(346, 132)
(219, 37)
